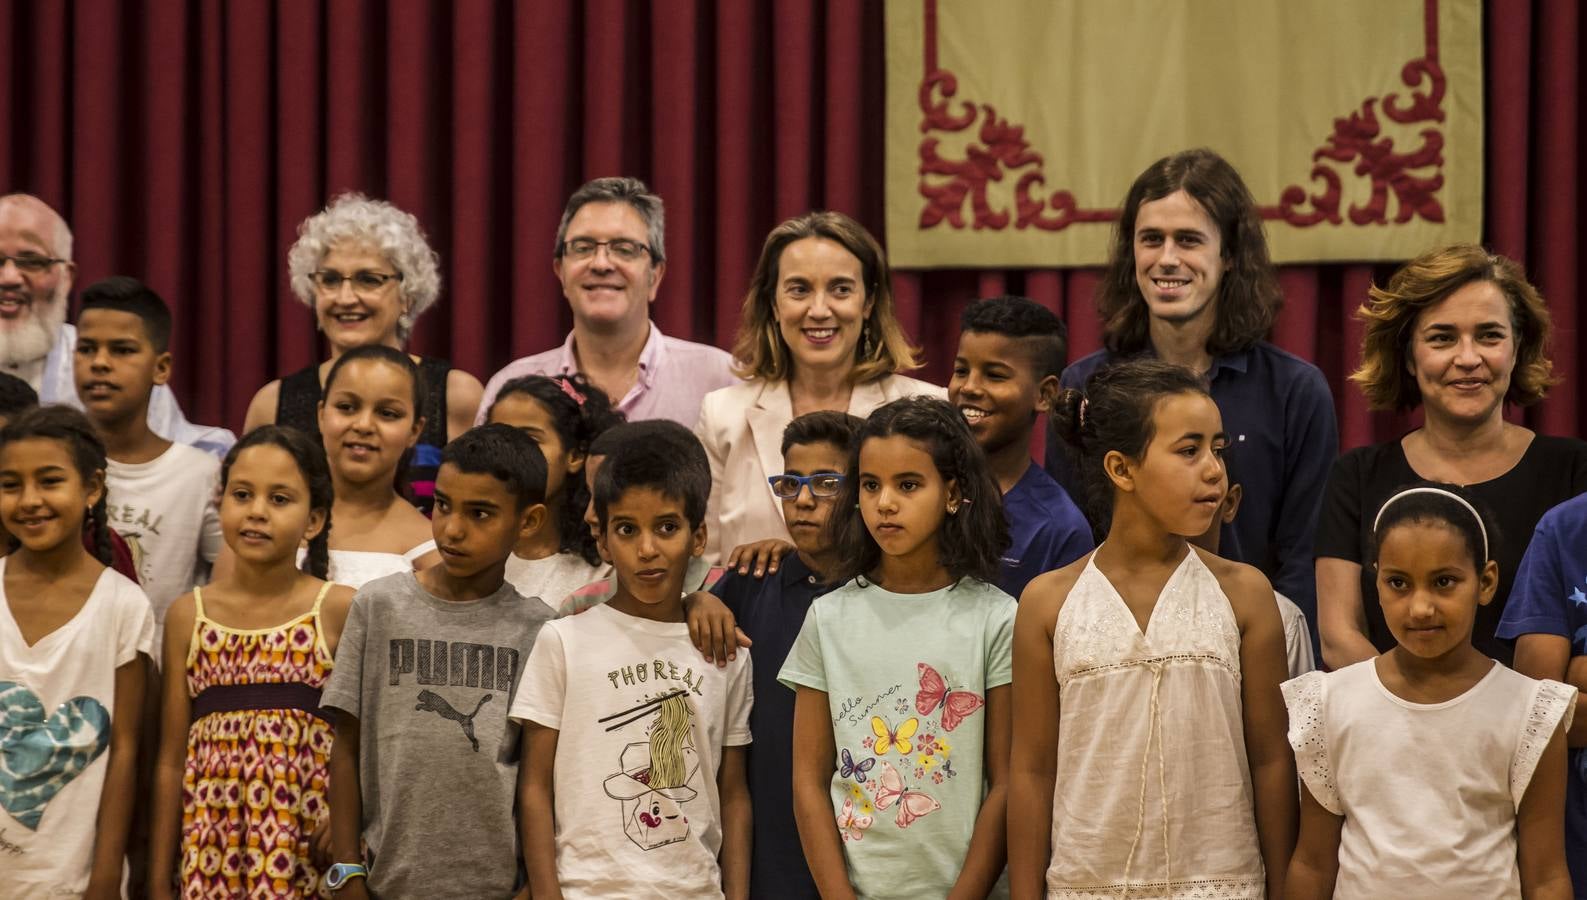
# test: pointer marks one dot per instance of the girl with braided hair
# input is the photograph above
(255, 648)
(902, 674)
(71, 680)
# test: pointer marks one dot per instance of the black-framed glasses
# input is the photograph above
(363, 281)
(822, 484)
(620, 248)
(31, 263)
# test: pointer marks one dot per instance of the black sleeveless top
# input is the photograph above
(298, 406)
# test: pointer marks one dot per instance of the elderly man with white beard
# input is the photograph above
(36, 343)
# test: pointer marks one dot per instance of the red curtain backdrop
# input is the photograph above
(184, 140)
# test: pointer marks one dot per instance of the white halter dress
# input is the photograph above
(1153, 795)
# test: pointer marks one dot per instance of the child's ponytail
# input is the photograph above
(1067, 417)
(309, 455)
(317, 561)
(1114, 412)
(99, 530)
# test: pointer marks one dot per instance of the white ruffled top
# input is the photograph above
(1428, 791)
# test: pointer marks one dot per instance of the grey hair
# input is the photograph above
(354, 218)
(62, 245)
(627, 190)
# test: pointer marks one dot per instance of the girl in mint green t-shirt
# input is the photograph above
(902, 721)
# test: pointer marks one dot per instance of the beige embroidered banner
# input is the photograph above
(1014, 127)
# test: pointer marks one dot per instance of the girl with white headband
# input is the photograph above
(1431, 770)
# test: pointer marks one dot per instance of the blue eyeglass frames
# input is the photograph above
(821, 484)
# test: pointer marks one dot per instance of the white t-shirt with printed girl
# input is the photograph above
(642, 721)
(165, 510)
(1429, 791)
(56, 700)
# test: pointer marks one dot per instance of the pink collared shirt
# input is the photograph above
(674, 377)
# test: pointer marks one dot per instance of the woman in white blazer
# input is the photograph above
(818, 332)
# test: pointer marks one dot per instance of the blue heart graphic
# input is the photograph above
(41, 754)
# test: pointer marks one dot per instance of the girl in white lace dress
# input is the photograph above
(1431, 771)
(1149, 758)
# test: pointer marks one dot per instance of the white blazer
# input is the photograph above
(741, 427)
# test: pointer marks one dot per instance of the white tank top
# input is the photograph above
(1153, 794)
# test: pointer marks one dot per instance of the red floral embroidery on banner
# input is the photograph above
(1001, 148)
(1359, 138)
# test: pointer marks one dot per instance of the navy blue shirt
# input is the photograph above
(1046, 530)
(1549, 596)
(1283, 439)
(771, 610)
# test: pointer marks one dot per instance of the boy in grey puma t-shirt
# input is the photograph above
(430, 682)
(424, 677)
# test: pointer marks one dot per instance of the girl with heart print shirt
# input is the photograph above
(901, 719)
(1149, 753)
(247, 656)
(71, 680)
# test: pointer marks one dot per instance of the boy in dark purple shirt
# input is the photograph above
(1005, 373)
(770, 610)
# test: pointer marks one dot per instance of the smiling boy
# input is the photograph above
(1005, 374)
(162, 494)
(634, 781)
(425, 674)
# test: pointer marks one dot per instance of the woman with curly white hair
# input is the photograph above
(368, 273)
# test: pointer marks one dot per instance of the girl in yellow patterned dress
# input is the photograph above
(244, 748)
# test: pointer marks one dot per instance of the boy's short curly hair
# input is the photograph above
(506, 454)
(1391, 311)
(825, 426)
(1022, 318)
(657, 454)
(122, 293)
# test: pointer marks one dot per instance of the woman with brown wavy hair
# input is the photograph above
(818, 332)
(1460, 333)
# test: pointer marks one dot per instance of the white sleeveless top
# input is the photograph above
(1153, 796)
(1429, 791)
(356, 568)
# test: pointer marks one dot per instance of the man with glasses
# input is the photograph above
(36, 342)
(610, 258)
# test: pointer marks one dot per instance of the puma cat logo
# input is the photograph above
(433, 702)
